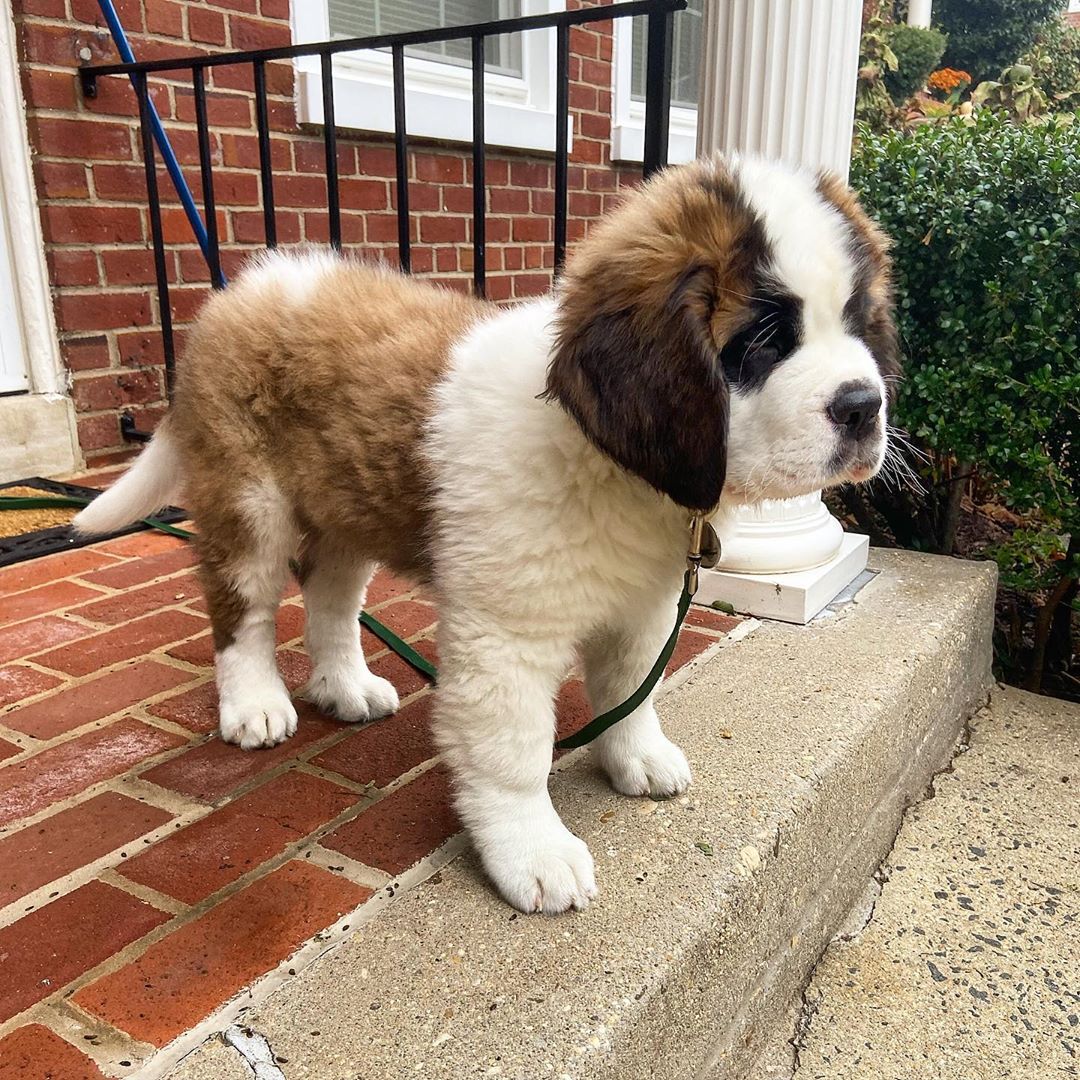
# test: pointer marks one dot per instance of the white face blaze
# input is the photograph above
(817, 415)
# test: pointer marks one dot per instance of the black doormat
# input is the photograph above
(30, 545)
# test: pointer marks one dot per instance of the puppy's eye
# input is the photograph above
(758, 348)
(765, 354)
(768, 340)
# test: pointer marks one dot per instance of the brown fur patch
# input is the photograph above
(646, 304)
(869, 312)
(328, 396)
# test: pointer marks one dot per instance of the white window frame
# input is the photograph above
(628, 119)
(519, 112)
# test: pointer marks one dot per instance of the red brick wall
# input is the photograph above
(92, 193)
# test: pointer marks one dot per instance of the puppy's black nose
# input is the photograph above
(855, 408)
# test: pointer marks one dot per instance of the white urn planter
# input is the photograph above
(780, 536)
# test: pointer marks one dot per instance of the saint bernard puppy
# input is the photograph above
(724, 336)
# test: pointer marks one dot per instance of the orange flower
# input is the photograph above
(946, 80)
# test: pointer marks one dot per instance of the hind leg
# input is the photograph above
(243, 571)
(334, 581)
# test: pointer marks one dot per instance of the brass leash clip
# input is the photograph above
(704, 549)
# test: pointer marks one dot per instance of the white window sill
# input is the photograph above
(628, 136)
(443, 112)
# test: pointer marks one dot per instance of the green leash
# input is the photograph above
(599, 724)
(402, 648)
(595, 727)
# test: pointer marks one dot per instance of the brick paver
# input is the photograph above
(33, 1052)
(123, 642)
(31, 784)
(49, 947)
(138, 571)
(105, 665)
(399, 831)
(214, 769)
(381, 752)
(72, 838)
(94, 699)
(43, 599)
(183, 977)
(18, 683)
(195, 709)
(226, 844)
(26, 638)
(128, 605)
(26, 575)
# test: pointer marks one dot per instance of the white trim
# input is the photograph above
(46, 377)
(519, 112)
(14, 376)
(628, 116)
(18, 201)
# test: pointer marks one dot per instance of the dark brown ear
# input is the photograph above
(645, 384)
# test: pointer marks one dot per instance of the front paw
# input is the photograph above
(254, 718)
(654, 766)
(355, 696)
(544, 868)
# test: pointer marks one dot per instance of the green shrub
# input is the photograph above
(1055, 63)
(873, 106)
(985, 217)
(986, 36)
(1016, 96)
(917, 52)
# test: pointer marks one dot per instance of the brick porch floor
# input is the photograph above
(150, 873)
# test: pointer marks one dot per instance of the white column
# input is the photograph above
(778, 79)
(918, 12)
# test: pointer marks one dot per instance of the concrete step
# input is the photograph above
(807, 744)
(970, 963)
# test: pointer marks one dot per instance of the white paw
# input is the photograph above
(257, 717)
(351, 694)
(651, 765)
(544, 868)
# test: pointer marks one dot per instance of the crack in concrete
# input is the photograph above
(254, 1048)
(803, 1018)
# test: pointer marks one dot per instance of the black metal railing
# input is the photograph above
(657, 105)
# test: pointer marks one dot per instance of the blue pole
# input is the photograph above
(123, 47)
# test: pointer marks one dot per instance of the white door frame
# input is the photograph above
(37, 429)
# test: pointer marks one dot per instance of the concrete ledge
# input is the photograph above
(713, 908)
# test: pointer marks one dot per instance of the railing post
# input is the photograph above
(142, 92)
(562, 112)
(479, 180)
(266, 171)
(333, 196)
(401, 161)
(206, 170)
(657, 92)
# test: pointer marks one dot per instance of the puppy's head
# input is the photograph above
(729, 329)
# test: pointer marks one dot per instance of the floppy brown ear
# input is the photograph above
(645, 384)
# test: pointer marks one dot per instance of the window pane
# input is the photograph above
(685, 60)
(361, 18)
